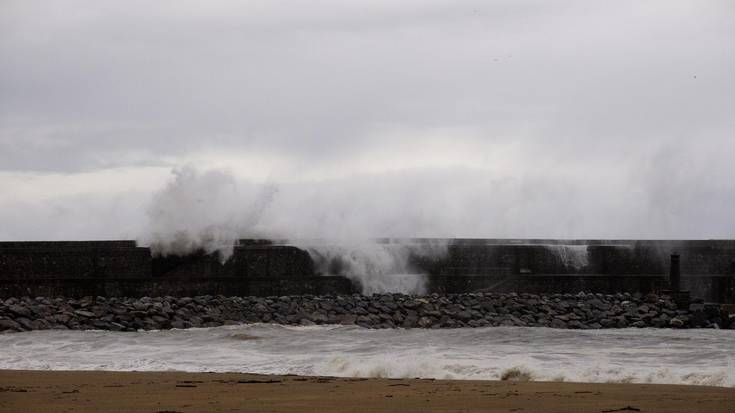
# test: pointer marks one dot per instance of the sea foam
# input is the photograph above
(698, 357)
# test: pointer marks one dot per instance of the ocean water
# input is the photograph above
(699, 357)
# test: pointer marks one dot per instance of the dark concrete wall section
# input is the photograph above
(73, 259)
(475, 257)
(549, 284)
(177, 287)
(271, 261)
(552, 266)
(260, 267)
(712, 288)
(122, 259)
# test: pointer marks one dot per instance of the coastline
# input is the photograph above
(156, 392)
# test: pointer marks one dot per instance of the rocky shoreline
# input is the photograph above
(574, 311)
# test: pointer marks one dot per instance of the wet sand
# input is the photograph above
(169, 392)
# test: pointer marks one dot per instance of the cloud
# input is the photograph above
(440, 118)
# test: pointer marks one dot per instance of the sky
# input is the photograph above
(503, 118)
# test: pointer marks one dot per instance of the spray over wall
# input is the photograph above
(376, 266)
(210, 211)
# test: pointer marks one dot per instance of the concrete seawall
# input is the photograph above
(117, 268)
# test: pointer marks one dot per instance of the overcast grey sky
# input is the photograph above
(512, 118)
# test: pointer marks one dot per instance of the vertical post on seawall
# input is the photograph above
(675, 273)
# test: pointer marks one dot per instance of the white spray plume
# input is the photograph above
(211, 211)
(575, 256)
(377, 267)
(206, 211)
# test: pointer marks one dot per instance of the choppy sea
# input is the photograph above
(699, 357)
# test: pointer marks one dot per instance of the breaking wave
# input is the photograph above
(697, 357)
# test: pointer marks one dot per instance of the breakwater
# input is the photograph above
(273, 268)
(572, 311)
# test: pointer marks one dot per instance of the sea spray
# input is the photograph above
(209, 211)
(377, 266)
(572, 256)
(698, 357)
(205, 211)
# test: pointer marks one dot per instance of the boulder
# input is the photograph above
(20, 311)
(676, 323)
(463, 316)
(8, 324)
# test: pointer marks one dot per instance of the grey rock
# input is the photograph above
(8, 324)
(40, 324)
(84, 313)
(598, 304)
(25, 323)
(581, 311)
(575, 324)
(347, 319)
(20, 311)
(410, 321)
(517, 321)
(676, 323)
(608, 323)
(319, 318)
(464, 315)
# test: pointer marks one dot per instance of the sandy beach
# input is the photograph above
(159, 392)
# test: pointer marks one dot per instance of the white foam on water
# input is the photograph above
(699, 357)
